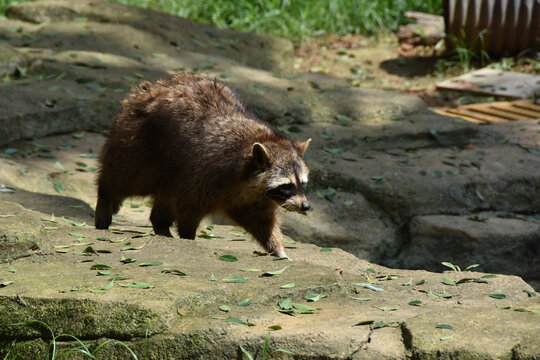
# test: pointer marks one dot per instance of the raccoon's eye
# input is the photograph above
(304, 185)
(286, 189)
(282, 192)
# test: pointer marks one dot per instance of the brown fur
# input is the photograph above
(190, 143)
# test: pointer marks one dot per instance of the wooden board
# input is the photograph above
(496, 82)
(501, 111)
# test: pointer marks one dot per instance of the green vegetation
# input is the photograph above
(296, 19)
(53, 352)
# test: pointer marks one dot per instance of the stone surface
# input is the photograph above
(21, 233)
(10, 59)
(182, 316)
(500, 245)
(390, 182)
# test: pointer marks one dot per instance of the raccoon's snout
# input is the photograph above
(305, 206)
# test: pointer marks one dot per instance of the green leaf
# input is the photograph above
(362, 299)
(287, 311)
(159, 55)
(59, 165)
(348, 202)
(128, 248)
(408, 283)
(228, 258)
(450, 265)
(497, 296)
(333, 151)
(100, 267)
(445, 295)
(77, 235)
(275, 327)
(388, 308)
(314, 297)
(6, 283)
(369, 286)
(330, 193)
(522, 309)
(151, 263)
(104, 272)
(58, 187)
(529, 293)
(415, 303)
(238, 321)
(78, 135)
(174, 272)
(276, 272)
(370, 270)
(285, 304)
(364, 322)
(246, 353)
(304, 309)
(288, 286)
(489, 276)
(212, 278)
(420, 282)
(377, 179)
(472, 266)
(235, 279)
(138, 285)
(444, 326)
(278, 258)
(127, 260)
(326, 249)
(73, 222)
(464, 280)
(448, 281)
(445, 338)
(244, 302)
(343, 119)
(117, 278)
(250, 270)
(210, 236)
(380, 324)
(98, 291)
(225, 308)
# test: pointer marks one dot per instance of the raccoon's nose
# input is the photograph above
(305, 206)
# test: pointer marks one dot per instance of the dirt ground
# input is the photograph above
(375, 62)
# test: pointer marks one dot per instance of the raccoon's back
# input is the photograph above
(181, 125)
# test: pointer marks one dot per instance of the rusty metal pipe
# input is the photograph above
(510, 26)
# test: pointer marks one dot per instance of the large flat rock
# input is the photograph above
(183, 319)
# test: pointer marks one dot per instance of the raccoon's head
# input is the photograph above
(285, 175)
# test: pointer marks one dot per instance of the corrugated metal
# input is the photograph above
(511, 25)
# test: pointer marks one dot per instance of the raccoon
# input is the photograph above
(191, 144)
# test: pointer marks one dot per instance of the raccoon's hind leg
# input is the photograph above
(162, 218)
(105, 208)
(261, 221)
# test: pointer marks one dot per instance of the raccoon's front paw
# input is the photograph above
(102, 222)
(281, 253)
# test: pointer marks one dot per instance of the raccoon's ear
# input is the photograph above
(301, 147)
(261, 156)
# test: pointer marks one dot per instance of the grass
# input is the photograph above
(294, 19)
(54, 353)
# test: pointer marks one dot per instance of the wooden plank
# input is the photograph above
(529, 105)
(489, 110)
(445, 112)
(509, 107)
(474, 115)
